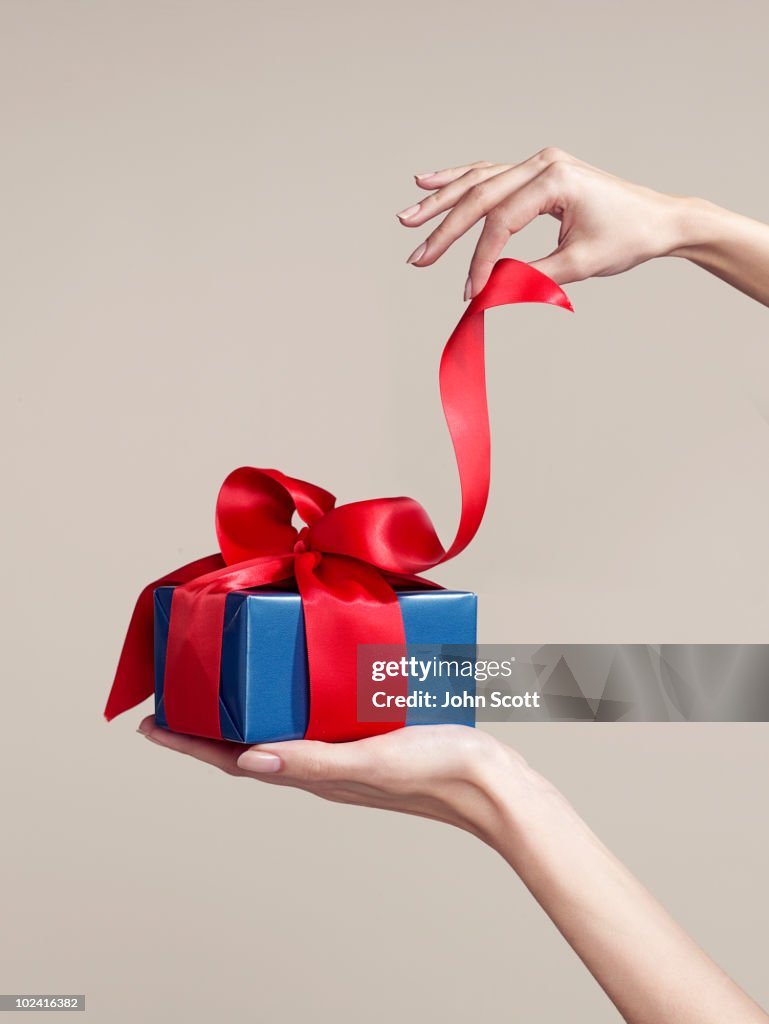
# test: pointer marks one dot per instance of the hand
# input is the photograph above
(607, 225)
(449, 773)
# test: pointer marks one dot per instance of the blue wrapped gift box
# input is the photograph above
(264, 688)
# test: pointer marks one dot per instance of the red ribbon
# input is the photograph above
(345, 560)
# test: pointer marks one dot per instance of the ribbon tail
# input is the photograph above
(396, 534)
(463, 385)
(135, 676)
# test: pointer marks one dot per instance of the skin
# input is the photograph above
(653, 972)
(607, 225)
(648, 966)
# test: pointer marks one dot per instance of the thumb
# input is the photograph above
(301, 762)
(563, 265)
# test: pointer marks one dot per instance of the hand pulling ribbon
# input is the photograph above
(345, 560)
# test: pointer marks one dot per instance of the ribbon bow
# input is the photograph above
(345, 560)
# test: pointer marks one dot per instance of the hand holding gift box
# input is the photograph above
(347, 563)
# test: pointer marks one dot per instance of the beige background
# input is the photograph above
(192, 191)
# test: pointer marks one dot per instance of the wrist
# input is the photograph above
(727, 244)
(698, 227)
(500, 795)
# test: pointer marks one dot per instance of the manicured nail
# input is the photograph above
(418, 253)
(259, 761)
(428, 174)
(468, 288)
(408, 212)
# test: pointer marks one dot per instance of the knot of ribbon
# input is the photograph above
(346, 560)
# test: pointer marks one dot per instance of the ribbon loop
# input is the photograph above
(394, 534)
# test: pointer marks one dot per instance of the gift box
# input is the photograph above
(262, 639)
(264, 689)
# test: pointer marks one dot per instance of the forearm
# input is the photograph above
(733, 247)
(649, 967)
(652, 971)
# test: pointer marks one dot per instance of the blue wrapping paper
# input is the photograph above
(264, 686)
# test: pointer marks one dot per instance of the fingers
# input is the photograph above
(308, 762)
(494, 238)
(520, 209)
(436, 179)
(508, 197)
(292, 762)
(479, 201)
(448, 195)
(219, 753)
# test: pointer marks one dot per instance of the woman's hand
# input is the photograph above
(449, 773)
(607, 225)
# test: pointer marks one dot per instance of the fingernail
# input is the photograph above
(418, 253)
(427, 174)
(408, 212)
(259, 761)
(144, 729)
(468, 288)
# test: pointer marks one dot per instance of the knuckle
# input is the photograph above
(476, 195)
(559, 171)
(497, 228)
(552, 154)
(475, 175)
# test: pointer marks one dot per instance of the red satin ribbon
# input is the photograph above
(345, 560)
